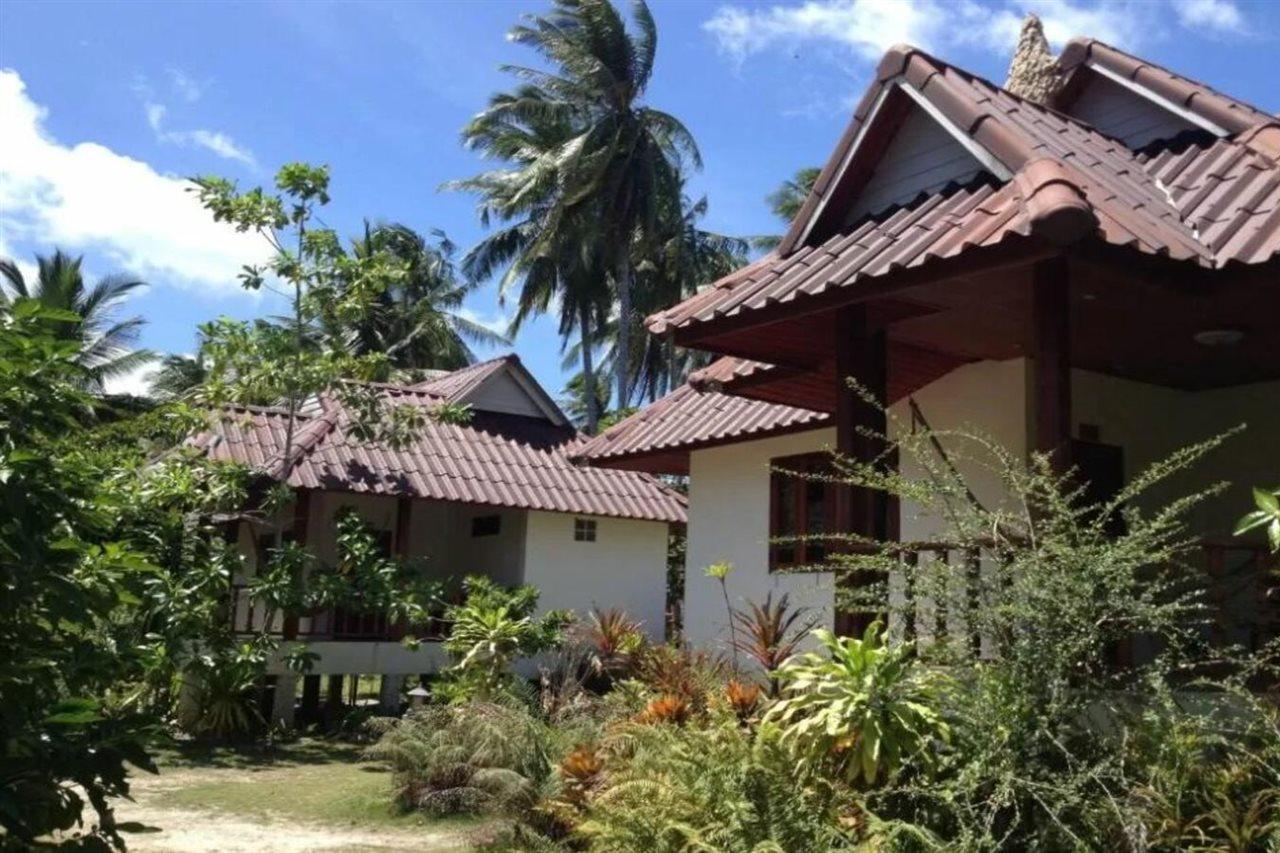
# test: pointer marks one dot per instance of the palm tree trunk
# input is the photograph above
(589, 371)
(622, 354)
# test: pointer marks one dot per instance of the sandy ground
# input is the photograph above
(197, 831)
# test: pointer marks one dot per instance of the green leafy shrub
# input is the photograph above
(492, 629)
(861, 711)
(716, 787)
(1045, 719)
(465, 758)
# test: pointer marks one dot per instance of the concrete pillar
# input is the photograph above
(389, 694)
(282, 701)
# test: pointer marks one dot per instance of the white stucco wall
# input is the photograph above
(729, 486)
(625, 567)
(729, 522)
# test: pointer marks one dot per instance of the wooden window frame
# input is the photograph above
(784, 469)
(584, 530)
(483, 526)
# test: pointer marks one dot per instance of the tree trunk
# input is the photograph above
(622, 352)
(589, 371)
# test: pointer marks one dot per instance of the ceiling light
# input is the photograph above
(1218, 337)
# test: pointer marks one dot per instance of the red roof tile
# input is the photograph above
(1070, 182)
(689, 418)
(499, 460)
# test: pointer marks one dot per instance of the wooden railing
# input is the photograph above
(333, 624)
(1243, 589)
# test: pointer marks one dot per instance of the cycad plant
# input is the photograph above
(451, 759)
(106, 343)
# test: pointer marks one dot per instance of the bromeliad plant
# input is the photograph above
(863, 710)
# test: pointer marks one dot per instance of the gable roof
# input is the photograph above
(461, 386)
(1052, 180)
(496, 459)
(1230, 116)
(660, 435)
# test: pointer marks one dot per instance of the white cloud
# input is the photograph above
(1221, 15)
(186, 87)
(496, 322)
(868, 27)
(88, 196)
(136, 382)
(219, 143)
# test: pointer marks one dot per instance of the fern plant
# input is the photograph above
(464, 759)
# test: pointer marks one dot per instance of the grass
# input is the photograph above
(312, 780)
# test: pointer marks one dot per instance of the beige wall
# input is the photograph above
(729, 522)
(625, 567)
(729, 486)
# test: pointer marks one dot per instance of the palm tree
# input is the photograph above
(686, 257)
(179, 375)
(418, 322)
(786, 201)
(560, 267)
(603, 165)
(105, 343)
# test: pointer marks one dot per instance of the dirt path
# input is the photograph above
(174, 828)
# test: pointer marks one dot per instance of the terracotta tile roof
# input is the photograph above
(1231, 114)
(498, 460)
(689, 418)
(454, 385)
(1228, 192)
(1069, 182)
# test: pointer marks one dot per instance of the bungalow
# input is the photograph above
(497, 496)
(1096, 275)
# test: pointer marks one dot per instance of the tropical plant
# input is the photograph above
(771, 632)
(179, 375)
(683, 257)
(417, 321)
(68, 585)
(105, 344)
(490, 630)
(467, 758)
(615, 640)
(689, 674)
(718, 787)
(328, 290)
(864, 709)
(744, 699)
(1266, 516)
(785, 202)
(220, 694)
(589, 161)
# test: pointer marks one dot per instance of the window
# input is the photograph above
(799, 507)
(486, 525)
(584, 530)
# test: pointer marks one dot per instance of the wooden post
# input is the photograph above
(861, 352)
(334, 697)
(297, 534)
(310, 698)
(404, 513)
(1051, 352)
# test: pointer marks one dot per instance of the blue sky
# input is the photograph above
(107, 106)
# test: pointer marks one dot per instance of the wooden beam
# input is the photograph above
(404, 512)
(861, 353)
(1051, 354)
